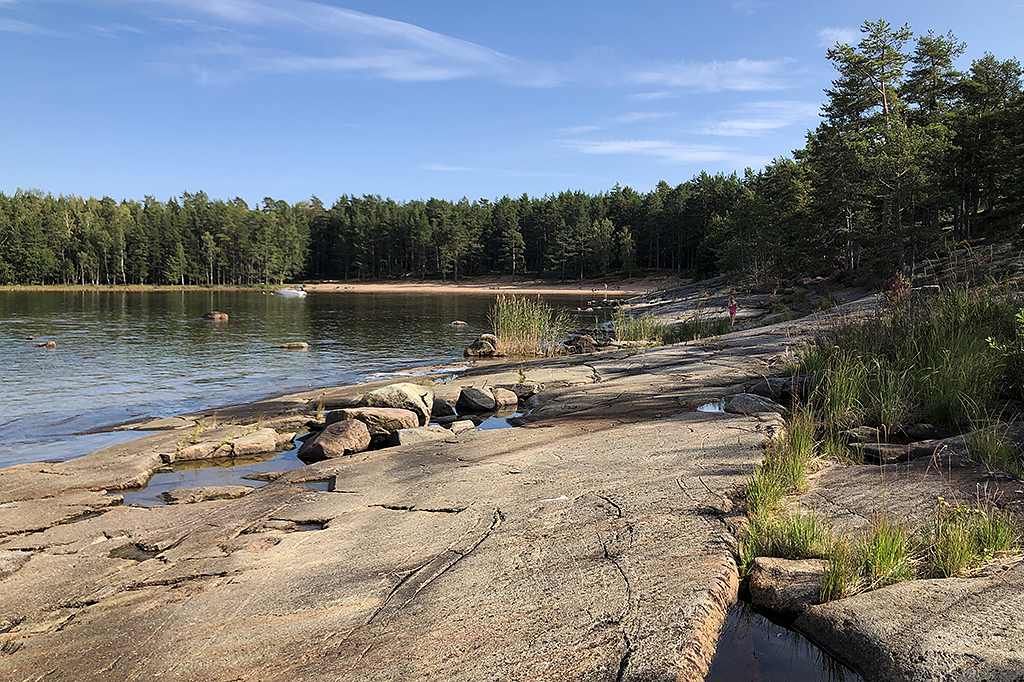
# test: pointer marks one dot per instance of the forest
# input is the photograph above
(910, 156)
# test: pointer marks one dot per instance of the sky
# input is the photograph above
(412, 99)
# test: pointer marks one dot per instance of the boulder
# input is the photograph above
(462, 425)
(47, 344)
(420, 434)
(773, 388)
(193, 495)
(751, 403)
(583, 344)
(441, 408)
(404, 396)
(473, 399)
(215, 316)
(504, 397)
(336, 440)
(256, 443)
(862, 434)
(459, 323)
(524, 390)
(485, 346)
(381, 421)
(784, 586)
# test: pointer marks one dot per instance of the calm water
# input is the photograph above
(122, 356)
(754, 649)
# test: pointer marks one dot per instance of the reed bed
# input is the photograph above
(525, 326)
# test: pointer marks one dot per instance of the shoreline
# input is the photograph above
(476, 285)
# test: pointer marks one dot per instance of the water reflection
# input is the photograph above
(122, 356)
(754, 649)
(198, 474)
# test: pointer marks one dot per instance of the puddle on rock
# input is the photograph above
(754, 649)
(499, 422)
(718, 406)
(203, 473)
(317, 485)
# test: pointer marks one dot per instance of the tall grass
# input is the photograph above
(648, 329)
(927, 362)
(963, 537)
(525, 326)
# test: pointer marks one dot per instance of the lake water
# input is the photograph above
(123, 356)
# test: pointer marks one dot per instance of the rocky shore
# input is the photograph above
(593, 541)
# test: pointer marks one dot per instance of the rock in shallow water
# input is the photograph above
(336, 440)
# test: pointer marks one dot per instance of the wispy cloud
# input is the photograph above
(669, 151)
(15, 26)
(349, 41)
(113, 31)
(761, 118)
(581, 130)
(828, 37)
(636, 116)
(444, 168)
(748, 6)
(650, 96)
(739, 74)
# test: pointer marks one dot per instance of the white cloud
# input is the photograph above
(635, 116)
(648, 96)
(358, 43)
(739, 74)
(748, 6)
(828, 37)
(673, 152)
(444, 168)
(759, 118)
(15, 26)
(581, 130)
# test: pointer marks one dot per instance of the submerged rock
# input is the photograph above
(193, 495)
(216, 316)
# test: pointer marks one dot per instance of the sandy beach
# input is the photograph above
(506, 285)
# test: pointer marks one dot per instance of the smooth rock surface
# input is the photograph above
(193, 495)
(256, 443)
(381, 421)
(420, 434)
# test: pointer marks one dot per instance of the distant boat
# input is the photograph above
(291, 293)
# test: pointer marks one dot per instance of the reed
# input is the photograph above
(525, 326)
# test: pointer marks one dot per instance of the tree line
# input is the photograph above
(911, 155)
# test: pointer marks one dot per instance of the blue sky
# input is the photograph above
(413, 99)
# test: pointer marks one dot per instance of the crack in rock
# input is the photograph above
(410, 508)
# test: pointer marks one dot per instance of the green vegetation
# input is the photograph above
(934, 362)
(525, 326)
(648, 329)
(952, 361)
(909, 152)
